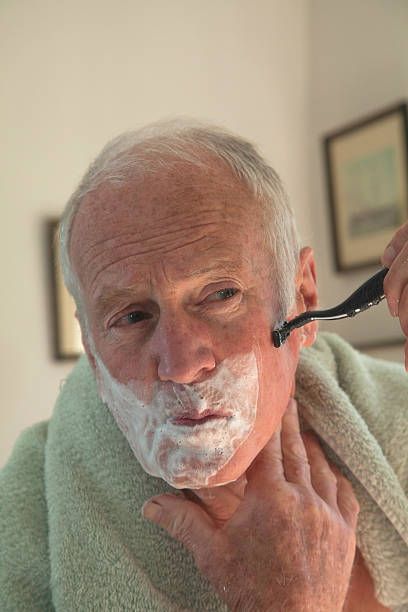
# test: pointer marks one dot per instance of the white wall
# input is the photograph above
(358, 64)
(77, 73)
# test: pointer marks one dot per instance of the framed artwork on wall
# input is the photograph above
(66, 335)
(367, 178)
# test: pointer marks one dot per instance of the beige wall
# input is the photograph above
(78, 73)
(358, 64)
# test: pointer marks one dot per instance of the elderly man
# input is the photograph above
(180, 250)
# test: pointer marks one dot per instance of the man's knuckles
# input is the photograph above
(350, 503)
(293, 447)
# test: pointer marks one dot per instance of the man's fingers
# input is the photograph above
(346, 499)
(330, 484)
(395, 257)
(396, 291)
(267, 467)
(396, 281)
(403, 306)
(403, 317)
(284, 457)
(394, 247)
(295, 459)
(182, 519)
(324, 481)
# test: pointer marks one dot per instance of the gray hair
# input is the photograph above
(157, 146)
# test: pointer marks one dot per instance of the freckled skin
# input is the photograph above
(152, 236)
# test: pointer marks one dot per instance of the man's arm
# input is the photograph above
(290, 544)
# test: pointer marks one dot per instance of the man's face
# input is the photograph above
(180, 304)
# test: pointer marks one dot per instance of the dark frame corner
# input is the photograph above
(58, 352)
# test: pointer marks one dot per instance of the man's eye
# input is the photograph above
(223, 294)
(131, 318)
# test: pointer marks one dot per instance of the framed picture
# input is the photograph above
(367, 176)
(66, 335)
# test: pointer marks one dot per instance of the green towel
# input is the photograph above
(72, 536)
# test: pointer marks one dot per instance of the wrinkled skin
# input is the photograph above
(290, 544)
(166, 247)
(155, 241)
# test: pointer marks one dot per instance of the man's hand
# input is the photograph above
(395, 257)
(289, 545)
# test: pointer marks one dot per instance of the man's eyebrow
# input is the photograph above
(111, 295)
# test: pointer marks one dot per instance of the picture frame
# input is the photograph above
(367, 182)
(65, 330)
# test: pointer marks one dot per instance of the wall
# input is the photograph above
(358, 64)
(78, 73)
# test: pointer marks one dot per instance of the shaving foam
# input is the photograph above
(185, 456)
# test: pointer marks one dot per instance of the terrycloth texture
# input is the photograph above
(72, 537)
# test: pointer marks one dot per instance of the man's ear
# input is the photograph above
(306, 292)
(85, 342)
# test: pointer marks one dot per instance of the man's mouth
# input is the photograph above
(192, 419)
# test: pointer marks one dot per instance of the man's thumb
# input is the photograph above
(184, 520)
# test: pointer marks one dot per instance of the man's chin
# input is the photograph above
(196, 482)
(226, 476)
(231, 472)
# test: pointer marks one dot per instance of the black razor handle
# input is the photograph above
(368, 294)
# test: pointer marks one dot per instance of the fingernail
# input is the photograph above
(151, 510)
(393, 306)
(389, 255)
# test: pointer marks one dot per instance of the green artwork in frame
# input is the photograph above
(367, 177)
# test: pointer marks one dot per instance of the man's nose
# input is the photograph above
(182, 349)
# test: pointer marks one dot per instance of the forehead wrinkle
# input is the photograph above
(151, 251)
(214, 210)
(165, 211)
(193, 215)
(136, 241)
(170, 214)
(105, 242)
(108, 293)
(219, 211)
(227, 267)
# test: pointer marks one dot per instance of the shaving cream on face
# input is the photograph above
(153, 420)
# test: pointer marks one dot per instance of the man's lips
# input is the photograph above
(195, 418)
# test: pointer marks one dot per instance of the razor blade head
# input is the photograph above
(280, 334)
